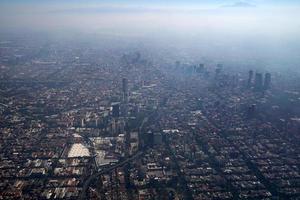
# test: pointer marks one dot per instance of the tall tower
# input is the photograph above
(258, 82)
(125, 89)
(200, 68)
(267, 82)
(115, 109)
(250, 78)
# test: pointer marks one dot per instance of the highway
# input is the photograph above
(104, 171)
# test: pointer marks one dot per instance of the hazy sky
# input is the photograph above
(158, 2)
(148, 16)
(253, 28)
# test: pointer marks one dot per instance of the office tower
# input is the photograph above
(200, 68)
(125, 88)
(267, 81)
(258, 82)
(250, 78)
(113, 128)
(115, 109)
(124, 85)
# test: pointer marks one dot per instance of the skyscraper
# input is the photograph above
(267, 81)
(125, 88)
(219, 69)
(250, 78)
(115, 109)
(258, 82)
(200, 69)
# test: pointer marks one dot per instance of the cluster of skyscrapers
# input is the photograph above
(259, 83)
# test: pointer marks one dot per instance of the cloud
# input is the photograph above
(240, 4)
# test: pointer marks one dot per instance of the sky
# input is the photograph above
(247, 19)
(110, 15)
(250, 27)
(269, 2)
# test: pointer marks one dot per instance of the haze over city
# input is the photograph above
(138, 99)
(253, 29)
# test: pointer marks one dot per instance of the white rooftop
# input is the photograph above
(78, 150)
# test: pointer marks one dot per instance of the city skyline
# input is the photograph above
(150, 100)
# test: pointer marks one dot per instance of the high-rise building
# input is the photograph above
(115, 109)
(258, 82)
(113, 127)
(267, 81)
(124, 85)
(250, 78)
(125, 88)
(200, 68)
